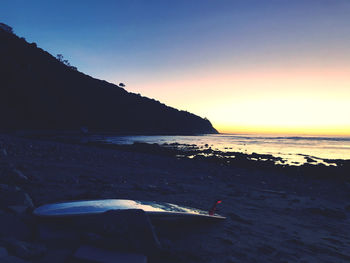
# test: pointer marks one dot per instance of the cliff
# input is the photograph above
(37, 91)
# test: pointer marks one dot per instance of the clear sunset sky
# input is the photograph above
(263, 66)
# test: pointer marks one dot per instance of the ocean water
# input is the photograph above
(293, 149)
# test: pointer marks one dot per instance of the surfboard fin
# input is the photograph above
(213, 209)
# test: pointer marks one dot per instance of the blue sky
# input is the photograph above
(171, 50)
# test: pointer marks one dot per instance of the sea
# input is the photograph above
(294, 150)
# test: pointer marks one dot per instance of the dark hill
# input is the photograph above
(39, 92)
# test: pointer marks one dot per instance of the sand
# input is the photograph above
(271, 216)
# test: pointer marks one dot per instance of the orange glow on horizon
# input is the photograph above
(304, 101)
(299, 131)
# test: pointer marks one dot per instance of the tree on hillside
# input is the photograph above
(61, 59)
(7, 28)
(122, 85)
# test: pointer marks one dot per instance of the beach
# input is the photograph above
(272, 215)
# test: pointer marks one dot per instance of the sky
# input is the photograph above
(249, 66)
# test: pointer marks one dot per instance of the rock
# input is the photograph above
(14, 196)
(23, 249)
(3, 253)
(99, 255)
(309, 160)
(128, 230)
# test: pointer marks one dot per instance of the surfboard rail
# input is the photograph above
(91, 207)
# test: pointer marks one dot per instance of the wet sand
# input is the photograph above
(272, 215)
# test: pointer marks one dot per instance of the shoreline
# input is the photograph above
(96, 139)
(272, 215)
(313, 167)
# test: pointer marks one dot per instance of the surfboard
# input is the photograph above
(91, 207)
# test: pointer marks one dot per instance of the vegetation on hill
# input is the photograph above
(38, 91)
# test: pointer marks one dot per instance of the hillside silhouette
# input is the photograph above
(37, 91)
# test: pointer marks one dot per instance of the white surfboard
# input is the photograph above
(153, 209)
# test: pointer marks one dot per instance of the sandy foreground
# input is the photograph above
(271, 216)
